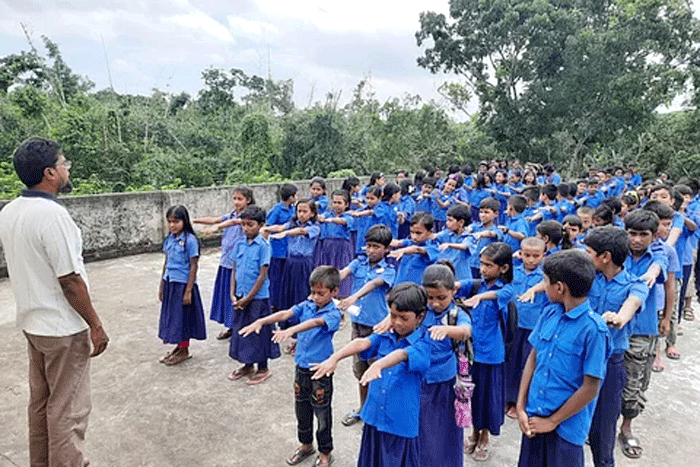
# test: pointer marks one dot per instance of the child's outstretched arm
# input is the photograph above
(283, 334)
(520, 404)
(295, 232)
(625, 314)
(364, 290)
(456, 246)
(529, 294)
(327, 367)
(256, 325)
(375, 369)
(478, 298)
(194, 265)
(220, 225)
(206, 220)
(459, 333)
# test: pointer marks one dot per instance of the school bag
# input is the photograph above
(464, 385)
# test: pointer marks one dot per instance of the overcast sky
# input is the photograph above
(323, 45)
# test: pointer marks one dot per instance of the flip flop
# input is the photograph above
(481, 453)
(688, 315)
(673, 353)
(225, 334)
(177, 359)
(469, 445)
(240, 373)
(658, 366)
(319, 463)
(258, 378)
(299, 456)
(630, 446)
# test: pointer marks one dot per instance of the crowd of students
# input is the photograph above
(564, 291)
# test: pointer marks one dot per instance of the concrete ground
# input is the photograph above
(148, 414)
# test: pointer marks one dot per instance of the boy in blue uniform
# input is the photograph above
(391, 413)
(372, 279)
(516, 227)
(416, 254)
(562, 376)
(616, 295)
(452, 240)
(483, 232)
(318, 319)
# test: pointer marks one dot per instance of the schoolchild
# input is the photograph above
(683, 194)
(391, 412)
(651, 264)
(593, 196)
(585, 213)
(280, 214)
(424, 199)
(371, 278)
(546, 208)
(181, 312)
(232, 234)
(573, 227)
(516, 227)
(603, 215)
(318, 319)
(250, 294)
(489, 315)
(367, 217)
(385, 211)
(405, 209)
(629, 201)
(501, 192)
(532, 195)
(401, 175)
(452, 240)
(515, 184)
(565, 368)
(563, 204)
(480, 191)
(317, 190)
(554, 236)
(376, 179)
(440, 439)
(415, 254)
(336, 228)
(352, 186)
(442, 201)
(484, 232)
(616, 295)
(525, 275)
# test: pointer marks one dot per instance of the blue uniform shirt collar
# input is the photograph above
(325, 308)
(578, 311)
(28, 193)
(411, 338)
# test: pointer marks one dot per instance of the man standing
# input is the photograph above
(43, 249)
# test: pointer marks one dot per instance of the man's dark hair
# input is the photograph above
(612, 239)
(327, 276)
(32, 157)
(572, 267)
(642, 219)
(379, 233)
(254, 213)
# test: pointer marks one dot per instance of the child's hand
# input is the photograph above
(323, 369)
(438, 333)
(209, 230)
(242, 303)
(234, 300)
(281, 335)
(648, 278)
(612, 319)
(279, 236)
(383, 326)
(254, 327)
(321, 218)
(664, 327)
(372, 373)
(527, 296)
(517, 255)
(472, 302)
(444, 246)
(187, 298)
(396, 254)
(160, 292)
(524, 423)
(541, 425)
(345, 303)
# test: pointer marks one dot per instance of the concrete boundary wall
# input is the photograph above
(120, 224)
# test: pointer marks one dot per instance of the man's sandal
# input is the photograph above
(299, 455)
(630, 446)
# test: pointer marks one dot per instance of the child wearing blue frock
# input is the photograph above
(232, 234)
(280, 214)
(250, 292)
(181, 312)
(317, 193)
(392, 409)
(367, 217)
(336, 230)
(405, 209)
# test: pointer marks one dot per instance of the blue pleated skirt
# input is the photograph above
(295, 280)
(488, 400)
(318, 250)
(515, 363)
(255, 347)
(275, 275)
(338, 252)
(180, 322)
(440, 440)
(380, 449)
(221, 298)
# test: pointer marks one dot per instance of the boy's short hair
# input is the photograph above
(533, 242)
(531, 193)
(327, 276)
(429, 181)
(585, 210)
(408, 296)
(564, 189)
(592, 181)
(612, 239)
(664, 211)
(572, 267)
(572, 219)
(490, 203)
(460, 212)
(32, 157)
(423, 218)
(379, 233)
(518, 202)
(642, 219)
(605, 213)
(439, 276)
(661, 186)
(287, 190)
(254, 213)
(550, 191)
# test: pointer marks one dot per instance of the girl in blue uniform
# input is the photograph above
(489, 318)
(405, 209)
(181, 312)
(440, 440)
(280, 214)
(367, 217)
(232, 234)
(335, 232)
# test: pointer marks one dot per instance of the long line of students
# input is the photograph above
(499, 246)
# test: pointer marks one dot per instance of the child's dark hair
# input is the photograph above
(406, 187)
(555, 232)
(564, 189)
(501, 254)
(327, 276)
(321, 182)
(418, 177)
(664, 211)
(180, 213)
(390, 189)
(439, 276)
(311, 204)
(408, 296)
(605, 213)
(374, 177)
(572, 267)
(531, 193)
(612, 239)
(572, 219)
(550, 191)
(490, 203)
(480, 182)
(350, 183)
(518, 202)
(343, 194)
(246, 192)
(254, 213)
(286, 191)
(423, 218)
(460, 212)
(642, 219)
(614, 203)
(379, 233)
(375, 191)
(429, 181)
(677, 198)
(631, 198)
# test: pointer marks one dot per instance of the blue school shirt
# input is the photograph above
(609, 295)
(229, 237)
(316, 344)
(411, 267)
(528, 313)
(249, 257)
(384, 213)
(645, 323)
(531, 226)
(373, 307)
(594, 200)
(569, 346)
(516, 224)
(439, 213)
(321, 203)
(302, 245)
(424, 204)
(501, 193)
(487, 332)
(478, 195)
(178, 250)
(333, 230)
(393, 401)
(280, 214)
(674, 266)
(407, 206)
(443, 362)
(474, 258)
(682, 242)
(459, 258)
